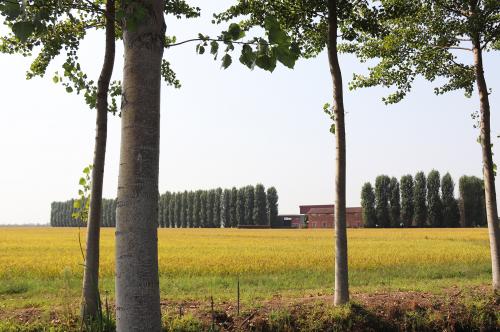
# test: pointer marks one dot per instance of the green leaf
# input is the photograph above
(82, 182)
(266, 62)
(275, 33)
(86, 170)
(69, 89)
(77, 204)
(226, 61)
(23, 30)
(235, 31)
(11, 9)
(55, 79)
(201, 49)
(214, 47)
(248, 56)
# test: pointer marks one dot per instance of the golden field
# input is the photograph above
(46, 252)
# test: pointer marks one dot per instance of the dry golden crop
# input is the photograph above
(46, 252)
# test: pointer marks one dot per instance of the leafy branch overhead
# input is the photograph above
(47, 29)
(264, 53)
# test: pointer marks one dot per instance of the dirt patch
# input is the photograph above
(455, 309)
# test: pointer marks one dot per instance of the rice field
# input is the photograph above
(39, 266)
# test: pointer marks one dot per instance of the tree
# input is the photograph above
(196, 209)
(423, 38)
(312, 27)
(240, 207)
(407, 200)
(210, 208)
(471, 190)
(48, 25)
(203, 209)
(216, 207)
(272, 206)
(382, 193)
(233, 207)
(368, 205)
(260, 205)
(420, 199)
(451, 213)
(137, 283)
(172, 210)
(249, 205)
(225, 209)
(394, 203)
(434, 204)
(178, 210)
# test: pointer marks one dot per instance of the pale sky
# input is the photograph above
(233, 127)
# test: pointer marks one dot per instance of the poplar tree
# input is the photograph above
(441, 41)
(368, 205)
(420, 199)
(434, 204)
(233, 208)
(272, 206)
(171, 210)
(210, 208)
(312, 26)
(382, 193)
(260, 206)
(203, 209)
(196, 209)
(240, 207)
(451, 213)
(394, 203)
(471, 190)
(225, 209)
(407, 200)
(216, 207)
(249, 205)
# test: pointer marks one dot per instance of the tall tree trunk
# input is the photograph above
(341, 269)
(90, 307)
(488, 173)
(137, 284)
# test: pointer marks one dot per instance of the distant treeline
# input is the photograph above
(249, 205)
(422, 201)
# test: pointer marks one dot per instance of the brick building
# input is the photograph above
(322, 216)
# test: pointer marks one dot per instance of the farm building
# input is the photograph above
(290, 221)
(322, 216)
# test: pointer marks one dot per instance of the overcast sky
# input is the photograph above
(232, 128)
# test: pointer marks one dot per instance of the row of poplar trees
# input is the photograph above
(422, 201)
(249, 205)
(61, 214)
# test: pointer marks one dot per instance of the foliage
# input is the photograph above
(368, 205)
(434, 204)
(420, 199)
(272, 206)
(407, 200)
(382, 193)
(82, 204)
(260, 205)
(471, 190)
(423, 38)
(451, 213)
(394, 203)
(249, 205)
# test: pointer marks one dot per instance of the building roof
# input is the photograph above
(330, 210)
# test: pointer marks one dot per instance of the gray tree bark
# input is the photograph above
(137, 284)
(488, 173)
(341, 295)
(90, 306)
